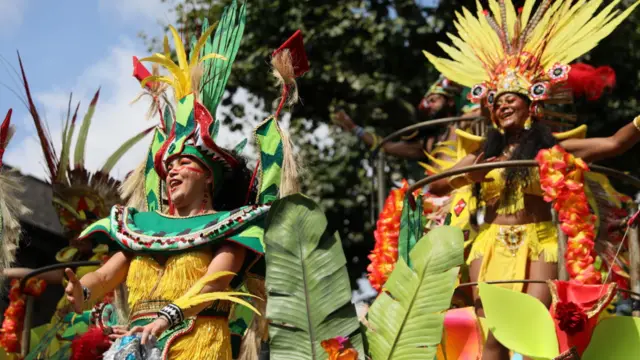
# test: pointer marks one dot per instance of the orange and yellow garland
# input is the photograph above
(385, 252)
(562, 179)
(10, 333)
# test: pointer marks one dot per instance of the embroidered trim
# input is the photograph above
(512, 237)
(137, 241)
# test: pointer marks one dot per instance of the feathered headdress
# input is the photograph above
(500, 50)
(198, 82)
(10, 205)
(79, 196)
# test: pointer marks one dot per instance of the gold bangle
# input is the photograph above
(636, 122)
(376, 141)
(459, 181)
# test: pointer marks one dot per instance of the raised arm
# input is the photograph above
(99, 283)
(412, 150)
(595, 149)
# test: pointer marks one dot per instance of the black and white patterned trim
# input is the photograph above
(172, 313)
(86, 294)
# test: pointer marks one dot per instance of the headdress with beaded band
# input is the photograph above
(527, 52)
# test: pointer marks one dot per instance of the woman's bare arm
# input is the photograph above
(51, 277)
(595, 149)
(108, 276)
(229, 257)
(442, 187)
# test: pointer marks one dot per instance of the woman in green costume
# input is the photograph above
(201, 233)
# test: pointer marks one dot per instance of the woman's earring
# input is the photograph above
(527, 124)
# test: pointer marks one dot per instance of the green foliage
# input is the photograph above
(407, 322)
(366, 58)
(307, 282)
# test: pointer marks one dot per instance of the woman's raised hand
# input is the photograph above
(344, 121)
(73, 291)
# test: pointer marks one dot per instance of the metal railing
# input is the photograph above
(30, 300)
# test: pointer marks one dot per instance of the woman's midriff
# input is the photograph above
(535, 210)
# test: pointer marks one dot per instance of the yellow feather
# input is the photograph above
(168, 64)
(526, 12)
(203, 39)
(512, 17)
(495, 10)
(180, 53)
(213, 56)
(154, 78)
(165, 46)
(197, 300)
(200, 284)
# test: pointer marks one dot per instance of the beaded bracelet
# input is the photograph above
(172, 313)
(359, 131)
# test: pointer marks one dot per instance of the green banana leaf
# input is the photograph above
(410, 227)
(519, 321)
(406, 321)
(309, 295)
(615, 338)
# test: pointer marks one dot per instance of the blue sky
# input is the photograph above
(77, 46)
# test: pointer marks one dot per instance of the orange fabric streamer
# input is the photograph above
(10, 333)
(561, 179)
(385, 252)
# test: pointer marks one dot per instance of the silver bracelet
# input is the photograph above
(359, 131)
(86, 294)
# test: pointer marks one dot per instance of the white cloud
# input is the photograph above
(137, 10)
(11, 14)
(114, 121)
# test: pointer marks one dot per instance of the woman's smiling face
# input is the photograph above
(186, 180)
(511, 111)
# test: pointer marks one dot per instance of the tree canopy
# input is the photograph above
(366, 57)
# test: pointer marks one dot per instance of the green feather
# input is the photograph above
(126, 146)
(67, 135)
(84, 131)
(226, 42)
(240, 147)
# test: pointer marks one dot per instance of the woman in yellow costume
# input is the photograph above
(515, 62)
(179, 257)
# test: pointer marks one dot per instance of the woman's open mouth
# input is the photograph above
(173, 184)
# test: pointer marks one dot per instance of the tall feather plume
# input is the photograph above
(542, 9)
(45, 139)
(505, 27)
(132, 189)
(84, 132)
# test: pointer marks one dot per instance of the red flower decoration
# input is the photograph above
(571, 319)
(338, 349)
(14, 314)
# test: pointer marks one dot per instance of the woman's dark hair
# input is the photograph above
(530, 142)
(235, 190)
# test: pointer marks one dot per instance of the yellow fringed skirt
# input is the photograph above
(149, 282)
(506, 250)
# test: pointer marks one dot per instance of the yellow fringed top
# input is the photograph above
(148, 280)
(495, 184)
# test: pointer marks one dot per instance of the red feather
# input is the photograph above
(90, 345)
(4, 133)
(590, 82)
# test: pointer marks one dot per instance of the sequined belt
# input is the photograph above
(512, 237)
